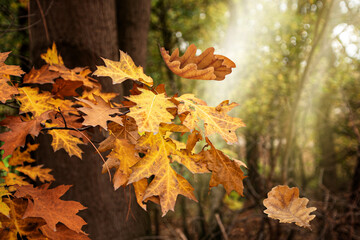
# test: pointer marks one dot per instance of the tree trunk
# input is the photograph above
(133, 18)
(83, 31)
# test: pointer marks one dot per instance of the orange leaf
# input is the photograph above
(283, 203)
(62, 233)
(224, 170)
(18, 224)
(41, 76)
(18, 131)
(63, 88)
(7, 91)
(124, 69)
(207, 66)
(8, 69)
(46, 204)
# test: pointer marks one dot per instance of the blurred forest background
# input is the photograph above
(298, 85)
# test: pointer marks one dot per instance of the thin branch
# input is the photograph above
(222, 228)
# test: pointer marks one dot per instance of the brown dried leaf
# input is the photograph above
(98, 114)
(206, 66)
(283, 203)
(224, 170)
(46, 204)
(41, 76)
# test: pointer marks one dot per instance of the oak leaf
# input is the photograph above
(206, 66)
(63, 139)
(123, 69)
(17, 224)
(33, 101)
(150, 110)
(283, 203)
(215, 119)
(46, 203)
(76, 74)
(98, 114)
(52, 57)
(224, 170)
(41, 76)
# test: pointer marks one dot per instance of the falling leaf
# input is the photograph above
(18, 131)
(98, 114)
(37, 172)
(124, 69)
(150, 110)
(41, 76)
(215, 119)
(33, 101)
(224, 170)
(206, 66)
(46, 204)
(283, 203)
(52, 57)
(17, 224)
(63, 88)
(63, 139)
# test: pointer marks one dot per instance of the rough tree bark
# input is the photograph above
(83, 31)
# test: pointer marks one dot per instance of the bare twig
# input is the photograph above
(222, 228)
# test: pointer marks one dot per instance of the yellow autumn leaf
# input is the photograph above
(63, 139)
(122, 157)
(283, 203)
(150, 110)
(33, 101)
(215, 119)
(13, 179)
(167, 184)
(18, 157)
(37, 172)
(52, 57)
(123, 69)
(4, 209)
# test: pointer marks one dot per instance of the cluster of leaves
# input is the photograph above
(66, 102)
